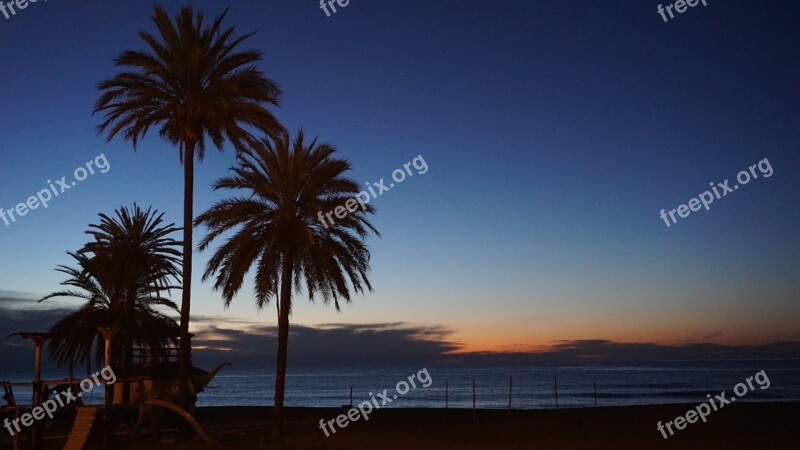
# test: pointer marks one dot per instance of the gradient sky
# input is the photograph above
(554, 133)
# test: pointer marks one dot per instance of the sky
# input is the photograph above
(554, 134)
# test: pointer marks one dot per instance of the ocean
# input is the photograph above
(531, 387)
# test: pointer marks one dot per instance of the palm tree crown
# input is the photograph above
(134, 247)
(289, 184)
(192, 84)
(76, 340)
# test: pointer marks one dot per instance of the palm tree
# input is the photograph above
(130, 251)
(193, 83)
(277, 231)
(76, 339)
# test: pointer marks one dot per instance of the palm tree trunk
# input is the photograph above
(130, 310)
(283, 345)
(184, 355)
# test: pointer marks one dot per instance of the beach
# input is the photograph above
(756, 426)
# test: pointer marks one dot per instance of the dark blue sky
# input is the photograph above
(554, 132)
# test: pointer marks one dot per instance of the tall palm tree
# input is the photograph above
(192, 83)
(76, 339)
(277, 231)
(131, 250)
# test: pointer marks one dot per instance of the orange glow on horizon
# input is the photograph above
(521, 335)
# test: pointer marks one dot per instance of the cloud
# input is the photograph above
(249, 344)
(20, 313)
(604, 351)
(398, 343)
(379, 344)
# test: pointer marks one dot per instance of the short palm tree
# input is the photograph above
(192, 83)
(76, 339)
(133, 250)
(276, 230)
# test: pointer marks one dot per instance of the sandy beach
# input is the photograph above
(744, 426)
(741, 426)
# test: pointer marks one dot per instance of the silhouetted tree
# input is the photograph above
(76, 336)
(192, 83)
(276, 230)
(133, 250)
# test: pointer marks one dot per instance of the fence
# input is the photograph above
(513, 397)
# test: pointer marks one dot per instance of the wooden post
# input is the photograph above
(38, 339)
(474, 403)
(555, 385)
(37, 371)
(108, 334)
(446, 395)
(16, 438)
(108, 393)
(510, 384)
(36, 429)
(595, 394)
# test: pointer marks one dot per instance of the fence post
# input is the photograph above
(510, 384)
(555, 386)
(474, 413)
